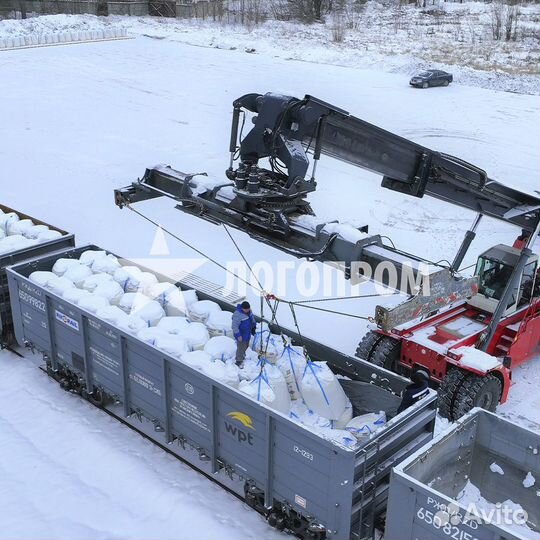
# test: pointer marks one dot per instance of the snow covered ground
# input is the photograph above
(81, 120)
(452, 36)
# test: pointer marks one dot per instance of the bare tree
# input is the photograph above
(22, 8)
(511, 22)
(338, 27)
(504, 20)
(496, 19)
(309, 10)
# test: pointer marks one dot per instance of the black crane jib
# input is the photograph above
(270, 203)
(286, 129)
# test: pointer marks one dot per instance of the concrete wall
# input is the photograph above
(201, 9)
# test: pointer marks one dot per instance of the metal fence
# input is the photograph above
(231, 11)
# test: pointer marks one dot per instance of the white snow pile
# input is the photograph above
(529, 480)
(474, 502)
(496, 468)
(476, 359)
(17, 233)
(275, 373)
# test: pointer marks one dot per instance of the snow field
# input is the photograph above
(106, 111)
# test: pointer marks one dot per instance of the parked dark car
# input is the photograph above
(431, 77)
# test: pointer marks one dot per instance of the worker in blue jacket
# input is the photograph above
(416, 391)
(243, 327)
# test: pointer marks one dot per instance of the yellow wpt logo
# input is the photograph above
(243, 418)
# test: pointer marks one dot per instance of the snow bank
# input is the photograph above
(472, 499)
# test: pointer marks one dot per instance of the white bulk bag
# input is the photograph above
(34, 231)
(61, 265)
(225, 373)
(261, 333)
(279, 385)
(73, 295)
(20, 226)
(7, 219)
(151, 312)
(88, 257)
(91, 282)
(77, 273)
(110, 290)
(173, 325)
(219, 323)
(41, 277)
(340, 436)
(112, 314)
(132, 324)
(108, 264)
(126, 277)
(160, 292)
(47, 236)
(301, 413)
(178, 302)
(190, 297)
(251, 367)
(132, 301)
(267, 344)
(200, 311)
(322, 392)
(92, 303)
(134, 280)
(15, 242)
(292, 364)
(221, 348)
(345, 418)
(58, 285)
(144, 281)
(196, 359)
(269, 388)
(171, 344)
(2, 234)
(362, 427)
(196, 335)
(151, 334)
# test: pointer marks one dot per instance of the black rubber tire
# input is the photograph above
(387, 353)
(367, 345)
(448, 390)
(477, 391)
(446, 83)
(425, 85)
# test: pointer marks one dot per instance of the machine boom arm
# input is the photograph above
(287, 128)
(270, 203)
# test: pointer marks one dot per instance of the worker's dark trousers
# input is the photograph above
(241, 348)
